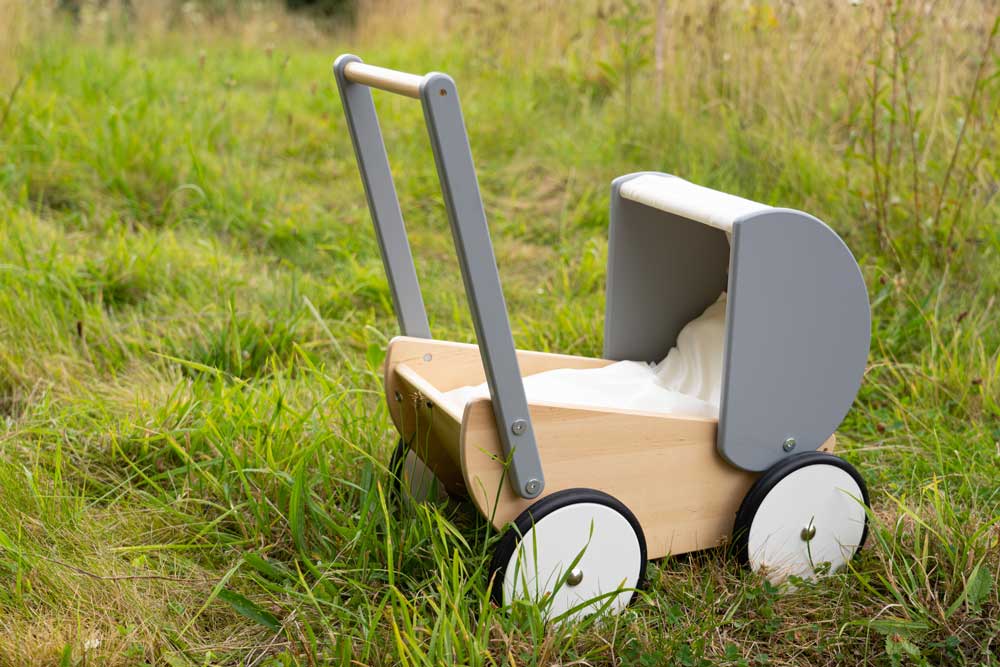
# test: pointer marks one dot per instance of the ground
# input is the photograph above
(193, 316)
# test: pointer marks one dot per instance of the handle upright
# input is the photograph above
(470, 232)
(373, 163)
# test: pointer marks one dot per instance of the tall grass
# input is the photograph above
(193, 443)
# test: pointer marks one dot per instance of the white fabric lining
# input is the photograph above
(687, 382)
(683, 198)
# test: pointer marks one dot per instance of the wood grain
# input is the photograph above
(391, 80)
(665, 468)
(449, 365)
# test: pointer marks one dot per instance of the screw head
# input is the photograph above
(808, 533)
(533, 486)
(398, 397)
(518, 426)
(428, 357)
(574, 577)
(788, 445)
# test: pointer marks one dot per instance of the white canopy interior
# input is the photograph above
(687, 200)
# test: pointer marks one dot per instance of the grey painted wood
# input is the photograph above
(663, 271)
(464, 204)
(798, 322)
(376, 176)
(798, 328)
(470, 231)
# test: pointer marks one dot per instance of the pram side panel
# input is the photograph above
(418, 371)
(427, 426)
(663, 271)
(664, 468)
(798, 327)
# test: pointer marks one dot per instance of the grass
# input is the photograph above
(192, 317)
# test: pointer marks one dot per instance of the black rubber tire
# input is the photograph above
(507, 545)
(755, 496)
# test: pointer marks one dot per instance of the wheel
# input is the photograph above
(410, 477)
(804, 517)
(570, 548)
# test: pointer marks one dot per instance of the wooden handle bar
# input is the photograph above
(382, 78)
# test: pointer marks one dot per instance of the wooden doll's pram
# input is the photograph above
(588, 494)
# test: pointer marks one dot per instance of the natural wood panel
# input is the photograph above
(453, 365)
(419, 370)
(426, 423)
(665, 468)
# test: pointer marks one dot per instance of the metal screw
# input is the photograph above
(399, 398)
(574, 577)
(518, 426)
(428, 357)
(532, 487)
(789, 445)
(808, 533)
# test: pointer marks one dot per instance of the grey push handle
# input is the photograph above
(471, 234)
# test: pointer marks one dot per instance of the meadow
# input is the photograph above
(193, 317)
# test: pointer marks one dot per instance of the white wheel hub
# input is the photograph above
(542, 567)
(810, 522)
(419, 480)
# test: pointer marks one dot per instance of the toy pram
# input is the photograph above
(590, 494)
